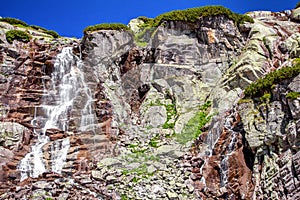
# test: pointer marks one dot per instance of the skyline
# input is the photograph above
(69, 18)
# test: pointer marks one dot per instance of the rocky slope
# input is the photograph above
(166, 119)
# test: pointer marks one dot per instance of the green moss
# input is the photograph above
(241, 101)
(13, 21)
(264, 85)
(17, 35)
(193, 14)
(113, 26)
(266, 98)
(292, 95)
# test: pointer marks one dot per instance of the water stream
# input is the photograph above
(213, 137)
(67, 93)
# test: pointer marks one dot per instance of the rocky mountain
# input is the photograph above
(171, 109)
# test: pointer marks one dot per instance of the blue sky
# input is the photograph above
(69, 18)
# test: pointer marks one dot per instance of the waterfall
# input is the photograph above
(68, 91)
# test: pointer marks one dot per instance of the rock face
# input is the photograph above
(132, 129)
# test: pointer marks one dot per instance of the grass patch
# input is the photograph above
(124, 197)
(140, 157)
(171, 113)
(17, 35)
(292, 95)
(141, 170)
(154, 142)
(192, 130)
(113, 26)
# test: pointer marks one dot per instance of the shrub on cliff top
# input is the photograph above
(114, 26)
(52, 33)
(264, 85)
(17, 35)
(38, 28)
(44, 30)
(193, 14)
(13, 21)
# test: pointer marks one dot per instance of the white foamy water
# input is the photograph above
(66, 86)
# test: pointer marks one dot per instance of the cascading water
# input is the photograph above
(212, 138)
(67, 87)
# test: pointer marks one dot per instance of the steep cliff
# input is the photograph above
(109, 117)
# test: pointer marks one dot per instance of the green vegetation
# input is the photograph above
(38, 28)
(293, 95)
(17, 35)
(140, 157)
(297, 5)
(264, 85)
(139, 37)
(52, 33)
(124, 197)
(113, 26)
(190, 15)
(266, 98)
(13, 21)
(171, 112)
(192, 130)
(141, 170)
(193, 14)
(154, 142)
(21, 24)
(146, 20)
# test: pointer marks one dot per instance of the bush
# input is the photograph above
(146, 19)
(115, 26)
(13, 21)
(17, 35)
(297, 5)
(193, 14)
(264, 85)
(49, 32)
(38, 28)
(52, 33)
(293, 95)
